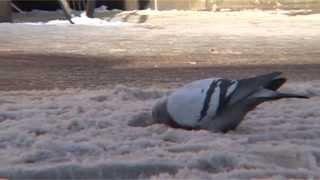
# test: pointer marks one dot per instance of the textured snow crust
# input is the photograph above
(108, 133)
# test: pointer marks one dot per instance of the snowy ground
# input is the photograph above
(97, 131)
(248, 37)
(147, 48)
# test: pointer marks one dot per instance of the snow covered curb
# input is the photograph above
(81, 20)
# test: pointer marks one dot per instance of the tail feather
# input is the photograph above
(251, 85)
(267, 94)
(289, 95)
(275, 84)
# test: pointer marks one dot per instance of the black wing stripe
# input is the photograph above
(223, 100)
(206, 102)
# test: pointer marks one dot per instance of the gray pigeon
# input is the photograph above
(216, 104)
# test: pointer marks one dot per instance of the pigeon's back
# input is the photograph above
(186, 103)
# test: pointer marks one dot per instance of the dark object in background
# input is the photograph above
(91, 4)
(66, 10)
(29, 5)
(89, 7)
(112, 4)
(5, 11)
(53, 5)
(144, 4)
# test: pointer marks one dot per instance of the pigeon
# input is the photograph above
(217, 104)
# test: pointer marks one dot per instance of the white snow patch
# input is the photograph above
(102, 9)
(96, 133)
(82, 20)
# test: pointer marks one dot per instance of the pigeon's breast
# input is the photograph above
(187, 105)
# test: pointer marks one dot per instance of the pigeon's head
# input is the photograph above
(160, 113)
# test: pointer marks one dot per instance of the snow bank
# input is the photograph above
(82, 20)
(108, 133)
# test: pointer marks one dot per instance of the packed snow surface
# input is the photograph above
(108, 133)
(240, 37)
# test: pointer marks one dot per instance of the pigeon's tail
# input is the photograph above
(275, 84)
(280, 95)
(245, 87)
(268, 95)
(232, 120)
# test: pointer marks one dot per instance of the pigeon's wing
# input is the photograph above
(246, 87)
(185, 105)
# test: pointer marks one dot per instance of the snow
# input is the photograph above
(102, 8)
(224, 37)
(108, 133)
(81, 20)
